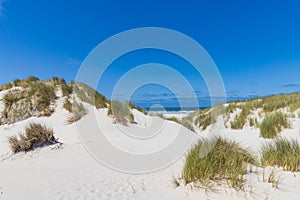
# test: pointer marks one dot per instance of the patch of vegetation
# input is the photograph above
(121, 112)
(252, 122)
(67, 105)
(282, 153)
(35, 100)
(77, 112)
(6, 86)
(28, 81)
(215, 160)
(273, 124)
(132, 106)
(241, 119)
(173, 119)
(66, 89)
(187, 122)
(205, 119)
(44, 94)
(36, 135)
(89, 95)
(272, 178)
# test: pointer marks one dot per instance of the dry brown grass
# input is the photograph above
(36, 135)
(78, 111)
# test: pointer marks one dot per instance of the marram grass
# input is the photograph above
(36, 135)
(273, 124)
(225, 161)
(282, 153)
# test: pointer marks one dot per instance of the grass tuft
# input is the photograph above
(89, 95)
(67, 105)
(273, 124)
(132, 106)
(226, 160)
(282, 153)
(120, 112)
(77, 112)
(36, 135)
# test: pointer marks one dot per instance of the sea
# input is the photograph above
(173, 110)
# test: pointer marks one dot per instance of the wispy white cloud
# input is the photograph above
(73, 62)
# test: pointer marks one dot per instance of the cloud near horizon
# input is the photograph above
(291, 85)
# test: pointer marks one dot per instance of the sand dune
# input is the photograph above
(68, 171)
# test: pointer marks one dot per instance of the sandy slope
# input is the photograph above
(69, 172)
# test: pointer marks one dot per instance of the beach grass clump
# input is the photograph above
(187, 122)
(66, 89)
(205, 119)
(120, 112)
(21, 103)
(273, 103)
(44, 94)
(215, 160)
(282, 153)
(28, 81)
(172, 119)
(132, 106)
(77, 112)
(273, 124)
(89, 95)
(6, 86)
(241, 119)
(36, 135)
(67, 105)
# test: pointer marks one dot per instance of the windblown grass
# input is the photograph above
(205, 119)
(36, 135)
(6, 86)
(241, 119)
(187, 122)
(77, 112)
(282, 153)
(67, 105)
(216, 160)
(132, 106)
(273, 125)
(89, 95)
(173, 119)
(120, 112)
(35, 100)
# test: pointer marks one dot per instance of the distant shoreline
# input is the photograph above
(174, 109)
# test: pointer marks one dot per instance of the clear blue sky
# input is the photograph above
(255, 44)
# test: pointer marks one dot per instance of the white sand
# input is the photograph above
(69, 172)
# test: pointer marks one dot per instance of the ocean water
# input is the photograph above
(173, 110)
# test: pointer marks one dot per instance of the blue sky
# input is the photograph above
(255, 44)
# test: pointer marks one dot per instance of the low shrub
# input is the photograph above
(282, 153)
(36, 135)
(215, 160)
